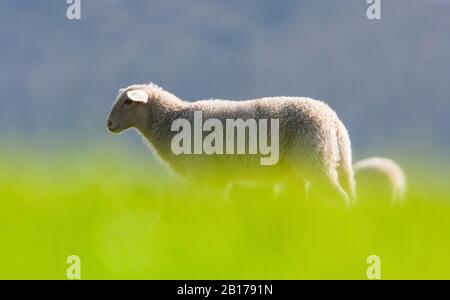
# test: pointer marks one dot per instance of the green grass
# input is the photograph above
(128, 218)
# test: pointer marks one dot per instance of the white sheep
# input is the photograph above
(381, 177)
(314, 145)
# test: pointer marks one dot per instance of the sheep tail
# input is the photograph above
(345, 170)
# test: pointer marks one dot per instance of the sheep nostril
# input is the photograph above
(109, 124)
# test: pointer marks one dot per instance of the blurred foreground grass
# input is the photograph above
(127, 218)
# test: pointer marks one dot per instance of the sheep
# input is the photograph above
(380, 176)
(314, 145)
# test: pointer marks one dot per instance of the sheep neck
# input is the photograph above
(157, 120)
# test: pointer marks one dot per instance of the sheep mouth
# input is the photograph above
(114, 129)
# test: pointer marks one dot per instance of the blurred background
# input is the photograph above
(67, 187)
(389, 79)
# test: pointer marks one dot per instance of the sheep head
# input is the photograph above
(128, 110)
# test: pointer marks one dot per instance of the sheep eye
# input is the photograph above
(127, 102)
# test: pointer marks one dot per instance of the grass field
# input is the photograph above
(127, 218)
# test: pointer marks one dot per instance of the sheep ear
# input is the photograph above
(138, 96)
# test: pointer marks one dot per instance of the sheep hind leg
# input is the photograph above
(347, 181)
(325, 184)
